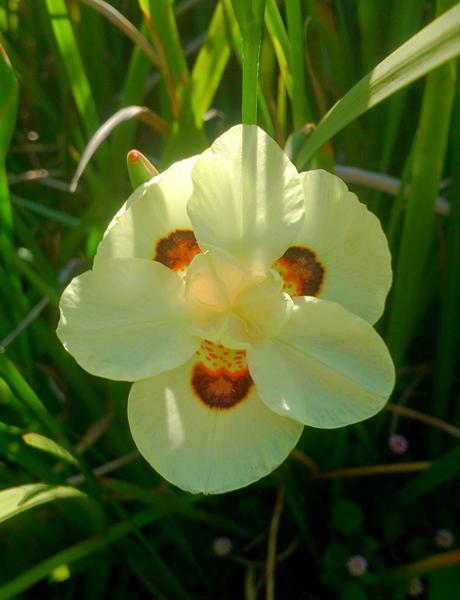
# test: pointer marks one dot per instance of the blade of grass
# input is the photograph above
(24, 392)
(16, 500)
(161, 24)
(419, 220)
(426, 565)
(250, 15)
(77, 552)
(8, 112)
(404, 24)
(134, 85)
(280, 41)
(440, 471)
(237, 43)
(78, 81)
(209, 65)
(434, 45)
(102, 133)
(300, 105)
(24, 459)
(41, 442)
(124, 25)
(45, 211)
(449, 334)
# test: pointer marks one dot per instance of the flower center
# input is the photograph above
(232, 306)
(177, 249)
(302, 272)
(220, 376)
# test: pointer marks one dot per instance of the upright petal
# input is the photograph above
(247, 197)
(341, 253)
(207, 447)
(127, 320)
(326, 368)
(153, 224)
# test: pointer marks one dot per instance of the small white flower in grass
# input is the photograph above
(239, 296)
(415, 587)
(357, 565)
(398, 443)
(444, 538)
(222, 546)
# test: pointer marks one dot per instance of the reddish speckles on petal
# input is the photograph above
(177, 249)
(301, 271)
(223, 381)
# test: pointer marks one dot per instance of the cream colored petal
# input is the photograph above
(326, 368)
(127, 320)
(247, 198)
(200, 449)
(155, 210)
(349, 242)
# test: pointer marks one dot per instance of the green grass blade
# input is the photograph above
(300, 106)
(77, 552)
(437, 43)
(280, 41)
(124, 25)
(8, 111)
(133, 94)
(76, 75)
(25, 460)
(161, 23)
(403, 25)
(448, 339)
(14, 501)
(441, 471)
(209, 65)
(25, 393)
(250, 15)
(419, 220)
(41, 442)
(45, 211)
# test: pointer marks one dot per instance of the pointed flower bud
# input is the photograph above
(140, 169)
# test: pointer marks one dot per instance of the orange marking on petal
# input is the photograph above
(302, 272)
(223, 383)
(177, 249)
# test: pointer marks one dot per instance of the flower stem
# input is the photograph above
(367, 470)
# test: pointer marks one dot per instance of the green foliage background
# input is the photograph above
(82, 515)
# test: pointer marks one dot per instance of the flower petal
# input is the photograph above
(205, 449)
(126, 320)
(341, 253)
(153, 223)
(247, 197)
(326, 368)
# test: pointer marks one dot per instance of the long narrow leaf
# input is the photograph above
(418, 228)
(14, 501)
(76, 75)
(437, 43)
(210, 65)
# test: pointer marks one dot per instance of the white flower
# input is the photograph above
(357, 565)
(237, 294)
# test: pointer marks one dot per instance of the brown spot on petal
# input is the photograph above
(302, 272)
(177, 249)
(222, 383)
